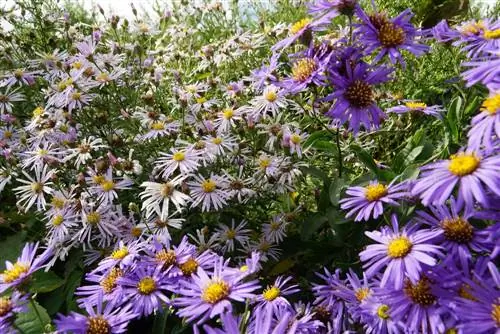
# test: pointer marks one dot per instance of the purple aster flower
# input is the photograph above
(122, 257)
(454, 231)
(7, 98)
(273, 296)
(16, 273)
(331, 8)
(479, 36)
(443, 33)
(306, 70)
(377, 316)
(145, 287)
(486, 125)
(9, 307)
(354, 96)
(329, 307)
(481, 313)
(103, 319)
(469, 171)
(391, 36)
(368, 201)
(102, 286)
(264, 321)
(400, 252)
(355, 293)
(230, 324)
(167, 256)
(302, 319)
(416, 306)
(485, 70)
(265, 74)
(417, 107)
(206, 296)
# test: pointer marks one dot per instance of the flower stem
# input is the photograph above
(339, 151)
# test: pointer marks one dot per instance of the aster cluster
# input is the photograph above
(180, 182)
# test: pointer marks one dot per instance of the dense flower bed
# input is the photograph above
(165, 170)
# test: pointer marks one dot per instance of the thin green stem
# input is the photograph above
(339, 151)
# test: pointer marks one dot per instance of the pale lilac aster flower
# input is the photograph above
(226, 120)
(156, 197)
(417, 107)
(368, 202)
(10, 307)
(105, 186)
(7, 98)
(486, 125)
(59, 225)
(83, 152)
(98, 224)
(122, 257)
(400, 252)
(303, 29)
(26, 264)
(210, 192)
(274, 296)
(35, 188)
(275, 231)
(39, 156)
(229, 235)
(101, 286)
(186, 161)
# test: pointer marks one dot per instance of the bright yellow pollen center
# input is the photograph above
(271, 293)
(382, 312)
(57, 202)
(495, 313)
(189, 267)
(217, 140)
(295, 138)
(299, 25)
(93, 218)
(42, 152)
(374, 192)
(303, 69)
(10, 275)
(399, 247)
(271, 96)
(98, 179)
(492, 34)
(215, 292)
(38, 112)
(108, 283)
(208, 186)
(102, 77)
(415, 105)
(473, 28)
(264, 163)
(119, 254)
(201, 100)
(146, 285)
(18, 73)
(492, 104)
(76, 96)
(228, 113)
(77, 65)
(179, 156)
(362, 293)
(158, 126)
(107, 185)
(463, 164)
(244, 268)
(5, 306)
(57, 220)
(98, 325)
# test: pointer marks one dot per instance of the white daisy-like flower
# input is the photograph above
(219, 145)
(5, 177)
(202, 242)
(157, 197)
(39, 156)
(266, 248)
(59, 226)
(210, 192)
(228, 235)
(34, 189)
(269, 103)
(226, 120)
(239, 187)
(98, 224)
(267, 165)
(185, 160)
(83, 152)
(294, 140)
(161, 226)
(105, 186)
(275, 231)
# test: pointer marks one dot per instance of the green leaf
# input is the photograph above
(413, 155)
(410, 173)
(72, 282)
(316, 172)
(33, 321)
(10, 248)
(335, 190)
(160, 321)
(45, 282)
(311, 224)
(282, 267)
(365, 158)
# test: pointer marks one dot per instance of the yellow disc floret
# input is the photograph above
(492, 104)
(299, 25)
(463, 164)
(17, 270)
(374, 192)
(146, 285)
(303, 69)
(215, 292)
(208, 186)
(399, 247)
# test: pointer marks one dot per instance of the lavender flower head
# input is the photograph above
(486, 125)
(417, 107)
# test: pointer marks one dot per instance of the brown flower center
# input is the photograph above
(390, 35)
(420, 293)
(359, 94)
(458, 230)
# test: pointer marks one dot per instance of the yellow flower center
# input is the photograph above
(37, 187)
(299, 25)
(295, 138)
(5, 306)
(7, 134)
(157, 126)
(77, 65)
(167, 189)
(208, 186)
(390, 35)
(102, 77)
(382, 312)
(76, 96)
(458, 230)
(271, 96)
(108, 283)
(420, 292)
(230, 234)
(217, 140)
(38, 112)
(189, 267)
(374, 192)
(463, 164)
(18, 73)
(228, 113)
(146, 285)
(167, 257)
(243, 268)
(18, 269)
(271, 293)
(107, 185)
(119, 254)
(215, 292)
(492, 34)
(98, 179)
(472, 28)
(416, 105)
(264, 163)
(93, 218)
(57, 220)
(98, 325)
(179, 156)
(495, 313)
(64, 84)
(492, 104)
(362, 293)
(451, 331)
(399, 247)
(57, 202)
(303, 69)
(465, 291)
